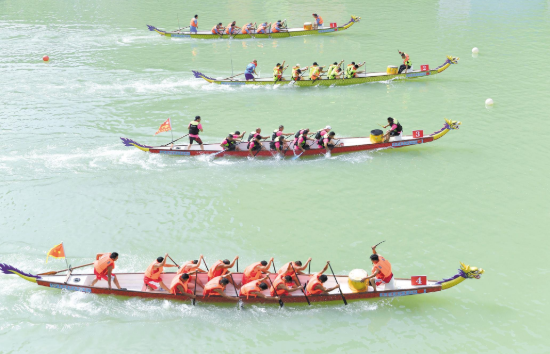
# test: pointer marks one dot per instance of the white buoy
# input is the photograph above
(489, 102)
(475, 50)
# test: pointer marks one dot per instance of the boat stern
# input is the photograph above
(8, 269)
(130, 142)
(200, 75)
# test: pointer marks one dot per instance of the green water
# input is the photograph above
(479, 195)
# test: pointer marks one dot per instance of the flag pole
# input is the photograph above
(63, 246)
(171, 130)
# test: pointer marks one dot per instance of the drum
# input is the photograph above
(354, 280)
(392, 70)
(307, 26)
(376, 136)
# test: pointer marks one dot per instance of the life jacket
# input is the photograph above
(229, 29)
(319, 20)
(321, 141)
(214, 272)
(103, 263)
(256, 145)
(303, 143)
(331, 69)
(333, 74)
(407, 61)
(320, 134)
(153, 273)
(251, 138)
(273, 144)
(187, 267)
(298, 133)
(249, 288)
(312, 284)
(194, 128)
(384, 267)
(276, 72)
(212, 285)
(351, 72)
(245, 29)
(280, 279)
(252, 273)
(295, 73)
(194, 22)
(262, 27)
(215, 30)
(228, 143)
(177, 281)
(314, 73)
(399, 128)
(283, 272)
(274, 135)
(274, 28)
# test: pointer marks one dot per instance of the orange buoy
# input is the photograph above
(46, 58)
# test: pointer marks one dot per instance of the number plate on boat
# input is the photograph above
(419, 280)
(418, 133)
(424, 68)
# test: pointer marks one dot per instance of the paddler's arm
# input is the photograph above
(371, 276)
(223, 294)
(232, 264)
(163, 263)
(373, 250)
(284, 287)
(330, 289)
(307, 263)
(325, 268)
(259, 294)
(182, 292)
(268, 266)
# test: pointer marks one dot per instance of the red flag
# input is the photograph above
(164, 127)
(56, 252)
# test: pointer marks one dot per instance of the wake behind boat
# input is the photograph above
(344, 145)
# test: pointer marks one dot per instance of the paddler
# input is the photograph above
(335, 74)
(230, 143)
(247, 28)
(318, 20)
(406, 62)
(250, 70)
(103, 269)
(283, 285)
(257, 133)
(216, 286)
(279, 132)
(262, 28)
(278, 72)
(315, 283)
(194, 128)
(255, 288)
(180, 285)
(190, 267)
(290, 268)
(218, 29)
(153, 273)
(315, 71)
(327, 142)
(321, 132)
(302, 144)
(220, 268)
(232, 28)
(194, 25)
(381, 272)
(237, 134)
(278, 27)
(395, 129)
(255, 270)
(296, 73)
(278, 144)
(333, 66)
(255, 145)
(351, 69)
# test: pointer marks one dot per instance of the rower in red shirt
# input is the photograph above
(221, 268)
(154, 272)
(255, 270)
(315, 284)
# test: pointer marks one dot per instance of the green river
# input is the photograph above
(479, 195)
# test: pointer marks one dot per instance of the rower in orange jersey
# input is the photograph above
(283, 285)
(180, 285)
(318, 21)
(220, 268)
(255, 270)
(192, 267)
(216, 287)
(315, 283)
(103, 269)
(255, 288)
(153, 273)
(232, 28)
(381, 272)
(290, 267)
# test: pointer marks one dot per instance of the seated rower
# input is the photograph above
(315, 284)
(262, 28)
(103, 269)
(293, 268)
(278, 72)
(321, 132)
(153, 273)
(315, 71)
(278, 27)
(352, 71)
(279, 132)
(220, 268)
(283, 285)
(327, 141)
(296, 73)
(255, 145)
(237, 134)
(278, 144)
(255, 288)
(218, 29)
(381, 272)
(395, 129)
(179, 285)
(230, 143)
(255, 270)
(335, 74)
(248, 28)
(192, 267)
(302, 144)
(406, 62)
(318, 21)
(232, 28)
(255, 134)
(216, 286)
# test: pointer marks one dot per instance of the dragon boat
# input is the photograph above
(359, 79)
(292, 32)
(348, 145)
(132, 286)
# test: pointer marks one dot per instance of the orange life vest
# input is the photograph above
(248, 289)
(213, 285)
(187, 267)
(103, 263)
(262, 28)
(319, 20)
(290, 272)
(215, 30)
(280, 279)
(315, 73)
(153, 273)
(311, 287)
(194, 22)
(245, 29)
(177, 281)
(384, 267)
(274, 28)
(215, 272)
(228, 29)
(252, 272)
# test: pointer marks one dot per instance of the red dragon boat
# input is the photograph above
(345, 145)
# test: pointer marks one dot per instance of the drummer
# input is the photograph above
(406, 62)
(315, 284)
(381, 272)
(395, 129)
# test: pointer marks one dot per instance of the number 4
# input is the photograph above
(419, 281)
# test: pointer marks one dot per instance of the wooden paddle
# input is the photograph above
(281, 303)
(53, 272)
(205, 264)
(173, 141)
(227, 78)
(177, 265)
(299, 284)
(195, 289)
(240, 303)
(379, 243)
(343, 298)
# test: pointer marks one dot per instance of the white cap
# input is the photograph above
(297, 64)
(328, 127)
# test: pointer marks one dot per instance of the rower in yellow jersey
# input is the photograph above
(315, 72)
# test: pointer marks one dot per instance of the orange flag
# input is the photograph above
(164, 127)
(56, 252)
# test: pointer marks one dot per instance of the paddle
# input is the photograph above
(281, 303)
(205, 264)
(299, 284)
(329, 150)
(173, 141)
(227, 78)
(59, 271)
(373, 247)
(219, 152)
(173, 261)
(195, 289)
(240, 303)
(343, 298)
